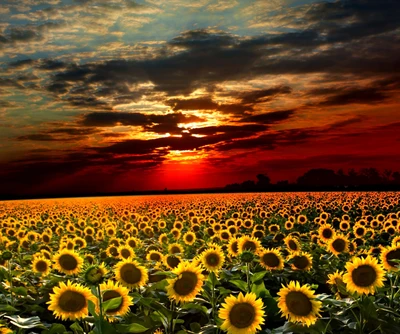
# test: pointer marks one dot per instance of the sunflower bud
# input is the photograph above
(7, 255)
(94, 275)
(247, 256)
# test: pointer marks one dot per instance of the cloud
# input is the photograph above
(269, 118)
(148, 121)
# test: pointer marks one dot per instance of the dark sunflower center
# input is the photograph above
(364, 275)
(213, 260)
(175, 249)
(46, 238)
(113, 251)
(72, 301)
(189, 238)
(173, 261)
(249, 245)
(186, 283)
(271, 260)
(301, 262)
(393, 255)
(327, 233)
(242, 315)
(360, 231)
(273, 229)
(258, 234)
(132, 243)
(155, 257)
(292, 245)
(130, 273)
(41, 266)
(298, 303)
(125, 253)
(111, 294)
(68, 262)
(234, 247)
(79, 243)
(339, 245)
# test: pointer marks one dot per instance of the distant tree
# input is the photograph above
(396, 177)
(263, 181)
(318, 177)
(248, 185)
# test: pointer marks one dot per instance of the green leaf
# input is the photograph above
(240, 284)
(195, 327)
(20, 291)
(260, 290)
(92, 309)
(258, 276)
(112, 304)
(77, 329)
(7, 308)
(55, 329)
(131, 328)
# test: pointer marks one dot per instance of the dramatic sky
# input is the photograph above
(118, 95)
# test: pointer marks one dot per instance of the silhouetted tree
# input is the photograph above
(263, 181)
(318, 177)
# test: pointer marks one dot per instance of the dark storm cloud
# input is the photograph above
(269, 118)
(376, 92)
(21, 63)
(27, 33)
(211, 130)
(51, 64)
(37, 137)
(203, 67)
(263, 95)
(108, 119)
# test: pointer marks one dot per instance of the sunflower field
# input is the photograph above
(222, 263)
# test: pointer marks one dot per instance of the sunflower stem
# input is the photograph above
(392, 289)
(101, 308)
(357, 320)
(11, 283)
(248, 277)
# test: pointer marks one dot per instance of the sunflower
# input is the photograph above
(154, 255)
(249, 244)
(289, 225)
(111, 290)
(133, 242)
(301, 261)
(189, 238)
(292, 244)
(274, 228)
(242, 314)
(326, 232)
(163, 238)
(125, 252)
(112, 251)
(363, 275)
(388, 255)
(212, 259)
(187, 284)
(297, 303)
(70, 301)
(302, 219)
(359, 230)
(344, 225)
(337, 284)
(271, 259)
(68, 262)
(41, 265)
(233, 249)
(172, 261)
(175, 248)
(130, 273)
(338, 244)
